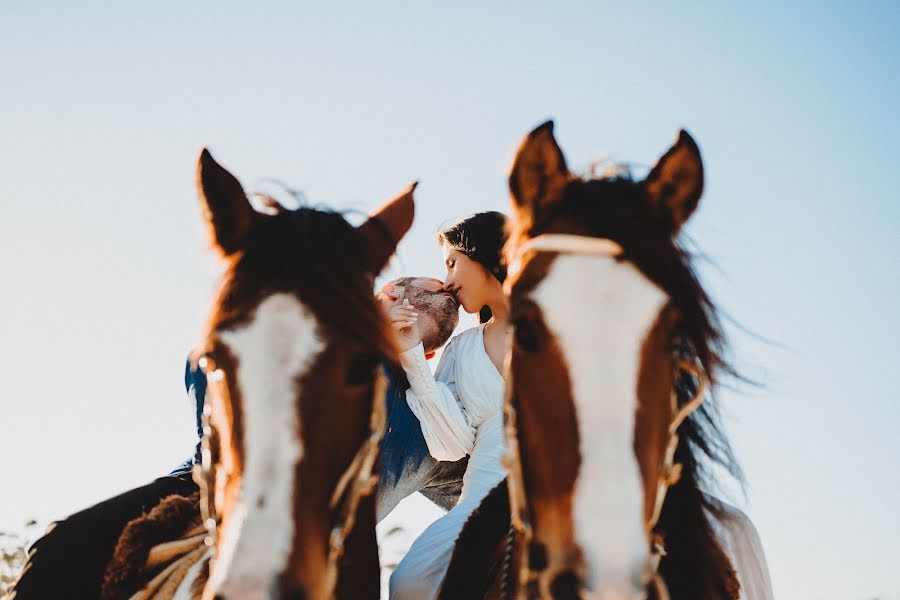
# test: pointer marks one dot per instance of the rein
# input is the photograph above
(204, 476)
(357, 481)
(529, 579)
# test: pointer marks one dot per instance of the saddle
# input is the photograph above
(157, 550)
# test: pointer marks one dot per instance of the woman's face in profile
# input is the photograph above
(466, 279)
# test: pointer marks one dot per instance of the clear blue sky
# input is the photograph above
(106, 281)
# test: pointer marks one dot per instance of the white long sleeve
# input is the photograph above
(447, 431)
(741, 542)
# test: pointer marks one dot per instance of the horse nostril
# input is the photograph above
(293, 592)
(565, 586)
(537, 556)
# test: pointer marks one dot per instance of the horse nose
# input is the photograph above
(632, 588)
(566, 586)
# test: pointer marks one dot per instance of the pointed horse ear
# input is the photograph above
(381, 233)
(226, 209)
(538, 175)
(675, 184)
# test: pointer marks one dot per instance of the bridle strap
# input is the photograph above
(564, 243)
(357, 481)
(528, 579)
(203, 474)
(671, 471)
(567, 243)
(520, 517)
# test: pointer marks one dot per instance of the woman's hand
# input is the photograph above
(404, 320)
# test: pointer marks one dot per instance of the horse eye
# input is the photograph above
(361, 370)
(526, 336)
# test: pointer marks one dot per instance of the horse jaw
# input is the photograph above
(604, 361)
(273, 351)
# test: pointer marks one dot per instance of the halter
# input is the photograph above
(357, 481)
(565, 243)
(670, 472)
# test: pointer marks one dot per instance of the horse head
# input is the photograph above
(609, 319)
(292, 352)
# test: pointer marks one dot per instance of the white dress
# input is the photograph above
(460, 411)
(740, 541)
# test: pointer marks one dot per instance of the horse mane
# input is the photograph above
(314, 254)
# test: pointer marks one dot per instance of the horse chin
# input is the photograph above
(567, 584)
(613, 594)
(624, 581)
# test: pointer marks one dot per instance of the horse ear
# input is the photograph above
(383, 230)
(675, 184)
(538, 174)
(229, 216)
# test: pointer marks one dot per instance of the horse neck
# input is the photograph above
(695, 565)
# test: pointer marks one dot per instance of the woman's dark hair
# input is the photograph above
(480, 237)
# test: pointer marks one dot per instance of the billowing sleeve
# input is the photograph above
(433, 400)
(741, 542)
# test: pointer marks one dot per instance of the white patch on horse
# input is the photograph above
(601, 311)
(274, 351)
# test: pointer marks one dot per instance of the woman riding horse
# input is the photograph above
(460, 406)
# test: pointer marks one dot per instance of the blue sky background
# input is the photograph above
(106, 280)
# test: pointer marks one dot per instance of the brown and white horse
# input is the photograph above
(614, 340)
(292, 353)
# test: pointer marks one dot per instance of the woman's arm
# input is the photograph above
(444, 424)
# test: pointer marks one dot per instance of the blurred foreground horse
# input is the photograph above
(294, 413)
(616, 345)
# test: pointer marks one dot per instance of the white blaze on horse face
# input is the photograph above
(273, 351)
(601, 311)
